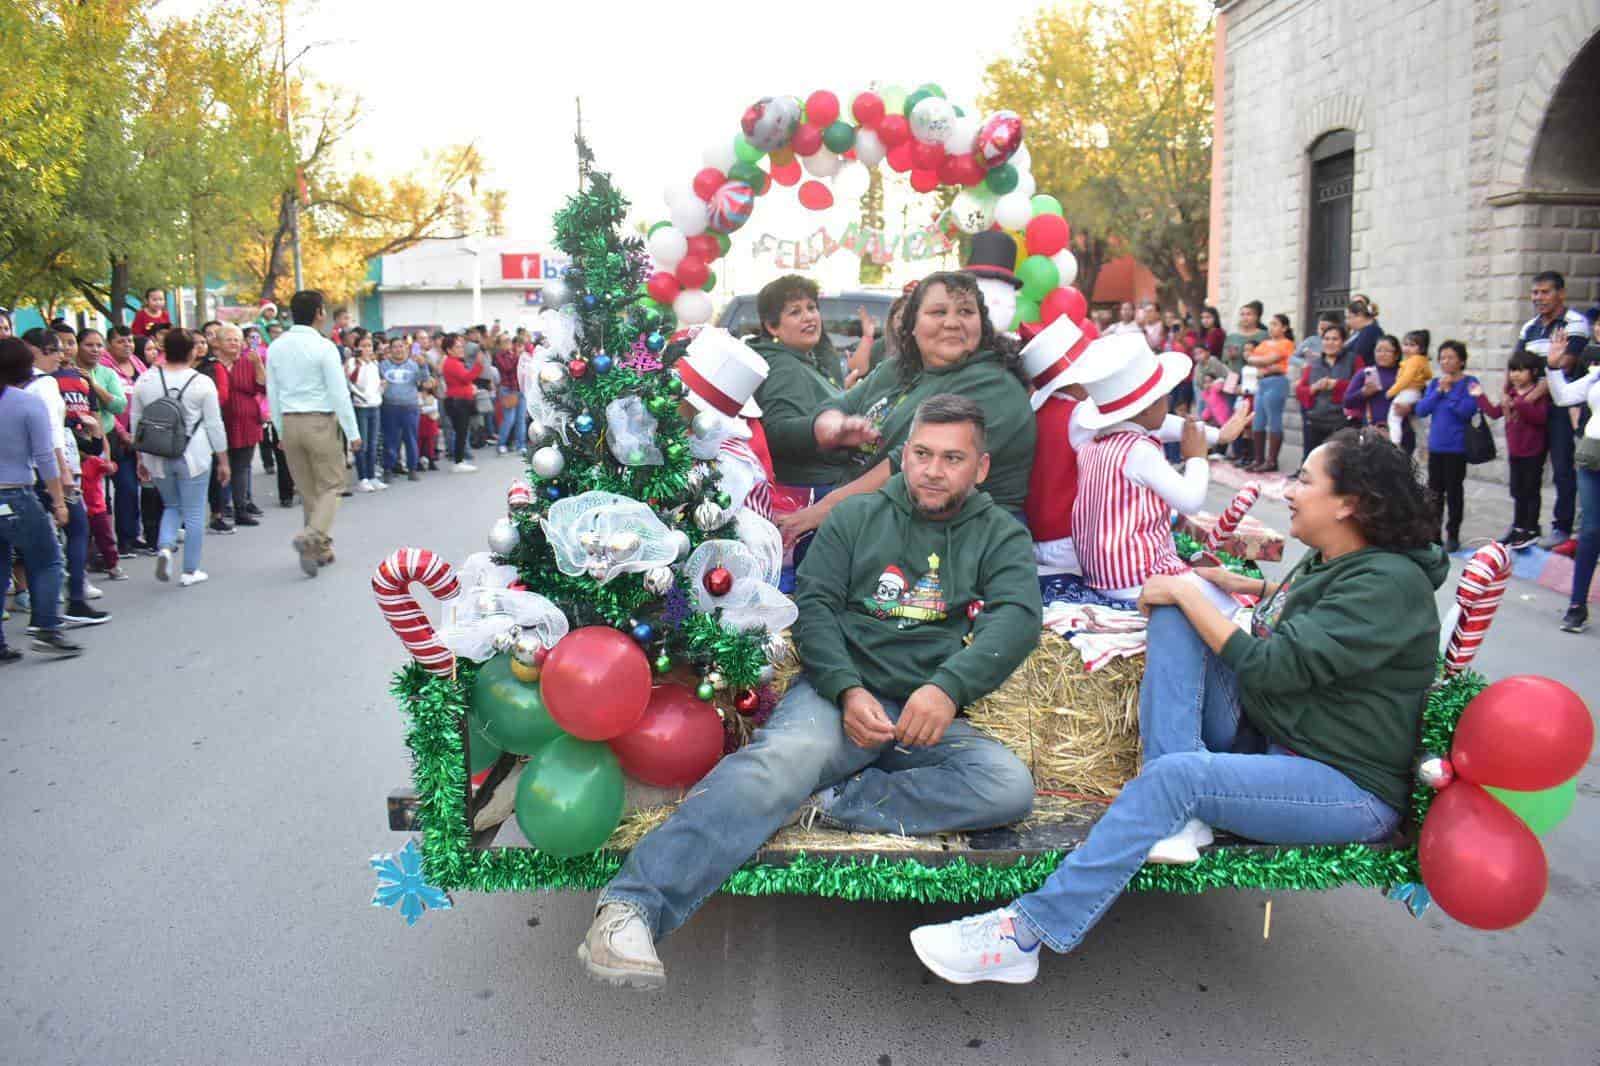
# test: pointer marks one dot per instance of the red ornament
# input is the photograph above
(807, 139)
(676, 743)
(822, 109)
(596, 683)
(708, 181)
(1481, 863)
(974, 609)
(662, 287)
(718, 581)
(868, 110)
(893, 130)
(746, 702)
(577, 368)
(1524, 733)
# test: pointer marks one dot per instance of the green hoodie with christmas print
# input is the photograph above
(888, 598)
(797, 385)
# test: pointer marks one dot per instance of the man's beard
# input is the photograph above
(952, 505)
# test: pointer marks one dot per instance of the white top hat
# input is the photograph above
(1050, 355)
(721, 374)
(1124, 377)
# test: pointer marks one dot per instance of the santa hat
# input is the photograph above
(893, 571)
(1049, 355)
(721, 374)
(994, 255)
(1124, 377)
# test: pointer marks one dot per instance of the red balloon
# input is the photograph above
(1481, 863)
(822, 109)
(868, 110)
(596, 683)
(950, 170)
(900, 159)
(675, 744)
(927, 156)
(1524, 733)
(708, 181)
(1047, 234)
(1090, 330)
(924, 180)
(1056, 303)
(816, 196)
(662, 287)
(704, 247)
(969, 171)
(893, 130)
(807, 139)
(692, 272)
(786, 173)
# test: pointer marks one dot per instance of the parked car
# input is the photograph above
(839, 316)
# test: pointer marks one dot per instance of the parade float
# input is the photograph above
(625, 631)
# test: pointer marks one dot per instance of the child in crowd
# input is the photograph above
(96, 468)
(1525, 405)
(1414, 374)
(428, 426)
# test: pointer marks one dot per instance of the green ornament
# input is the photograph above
(914, 99)
(512, 712)
(1039, 275)
(748, 173)
(724, 500)
(660, 406)
(1002, 179)
(839, 137)
(705, 692)
(569, 799)
(744, 151)
(481, 751)
(1542, 811)
(649, 317)
(635, 457)
(663, 663)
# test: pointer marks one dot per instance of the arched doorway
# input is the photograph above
(1331, 211)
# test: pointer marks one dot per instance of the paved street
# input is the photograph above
(191, 805)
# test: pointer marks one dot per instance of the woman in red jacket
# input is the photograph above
(460, 395)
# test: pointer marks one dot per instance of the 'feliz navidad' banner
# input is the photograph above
(876, 245)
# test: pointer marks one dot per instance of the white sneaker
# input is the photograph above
(164, 564)
(1182, 847)
(365, 485)
(91, 592)
(619, 950)
(182, 532)
(500, 450)
(464, 468)
(193, 577)
(379, 484)
(980, 948)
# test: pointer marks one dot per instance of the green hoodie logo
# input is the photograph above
(895, 598)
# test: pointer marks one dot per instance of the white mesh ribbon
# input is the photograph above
(560, 329)
(602, 534)
(485, 616)
(764, 542)
(751, 603)
(632, 432)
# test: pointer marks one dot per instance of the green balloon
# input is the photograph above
(511, 711)
(1002, 179)
(569, 798)
(914, 99)
(711, 281)
(1039, 275)
(744, 151)
(481, 751)
(658, 225)
(839, 137)
(748, 173)
(931, 89)
(723, 241)
(1027, 310)
(894, 100)
(1045, 204)
(1542, 811)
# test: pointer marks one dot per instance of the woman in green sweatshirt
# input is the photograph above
(946, 346)
(1301, 731)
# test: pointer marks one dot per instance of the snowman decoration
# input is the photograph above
(994, 257)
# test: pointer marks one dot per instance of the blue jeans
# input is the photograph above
(786, 579)
(367, 457)
(77, 549)
(184, 500)
(125, 501)
(966, 781)
(1583, 560)
(1272, 392)
(1563, 440)
(29, 532)
(1189, 715)
(399, 428)
(513, 421)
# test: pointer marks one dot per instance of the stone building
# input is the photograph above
(1433, 154)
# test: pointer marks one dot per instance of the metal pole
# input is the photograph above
(581, 169)
(294, 192)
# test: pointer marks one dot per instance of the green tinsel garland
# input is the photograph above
(436, 706)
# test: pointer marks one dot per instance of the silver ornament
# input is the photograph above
(555, 293)
(537, 431)
(768, 674)
(697, 475)
(503, 536)
(505, 639)
(704, 424)
(658, 580)
(714, 679)
(777, 648)
(548, 462)
(708, 516)
(552, 378)
(1435, 771)
(525, 649)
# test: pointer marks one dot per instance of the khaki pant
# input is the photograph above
(314, 449)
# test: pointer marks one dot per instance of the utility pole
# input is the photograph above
(583, 148)
(288, 132)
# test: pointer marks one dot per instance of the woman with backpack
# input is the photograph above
(177, 427)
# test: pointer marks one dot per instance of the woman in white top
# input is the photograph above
(366, 394)
(1567, 393)
(182, 481)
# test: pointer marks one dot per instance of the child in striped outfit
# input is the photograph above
(720, 377)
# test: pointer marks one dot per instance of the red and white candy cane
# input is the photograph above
(391, 584)
(1478, 596)
(1230, 518)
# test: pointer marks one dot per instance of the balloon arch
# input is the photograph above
(813, 145)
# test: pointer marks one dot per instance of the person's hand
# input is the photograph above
(224, 472)
(835, 429)
(1160, 590)
(797, 524)
(58, 510)
(355, 445)
(1446, 382)
(1243, 415)
(869, 326)
(1192, 445)
(1370, 386)
(864, 721)
(925, 717)
(854, 376)
(1558, 346)
(144, 473)
(1227, 580)
(1475, 390)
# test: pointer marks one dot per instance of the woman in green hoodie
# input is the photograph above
(1300, 731)
(946, 346)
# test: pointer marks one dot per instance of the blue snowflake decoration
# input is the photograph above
(400, 882)
(675, 606)
(1414, 895)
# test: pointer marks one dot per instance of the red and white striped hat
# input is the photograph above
(721, 374)
(1123, 377)
(1049, 355)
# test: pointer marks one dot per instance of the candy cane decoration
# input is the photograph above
(1229, 520)
(391, 584)
(1482, 587)
(519, 495)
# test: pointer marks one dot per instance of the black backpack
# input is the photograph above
(162, 428)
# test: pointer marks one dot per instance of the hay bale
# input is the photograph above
(1077, 731)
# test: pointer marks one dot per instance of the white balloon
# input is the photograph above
(851, 182)
(869, 149)
(1021, 159)
(824, 164)
(963, 135)
(692, 307)
(679, 193)
(1013, 210)
(720, 156)
(973, 211)
(932, 119)
(1067, 264)
(1025, 184)
(668, 246)
(690, 217)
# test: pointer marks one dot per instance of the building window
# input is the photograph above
(1333, 171)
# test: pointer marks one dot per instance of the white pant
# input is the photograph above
(1396, 423)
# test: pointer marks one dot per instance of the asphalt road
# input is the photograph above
(189, 809)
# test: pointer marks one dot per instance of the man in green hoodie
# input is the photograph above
(918, 599)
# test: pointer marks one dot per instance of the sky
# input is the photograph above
(659, 81)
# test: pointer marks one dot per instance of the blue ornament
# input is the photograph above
(400, 883)
(553, 491)
(655, 342)
(584, 424)
(644, 632)
(601, 364)
(588, 299)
